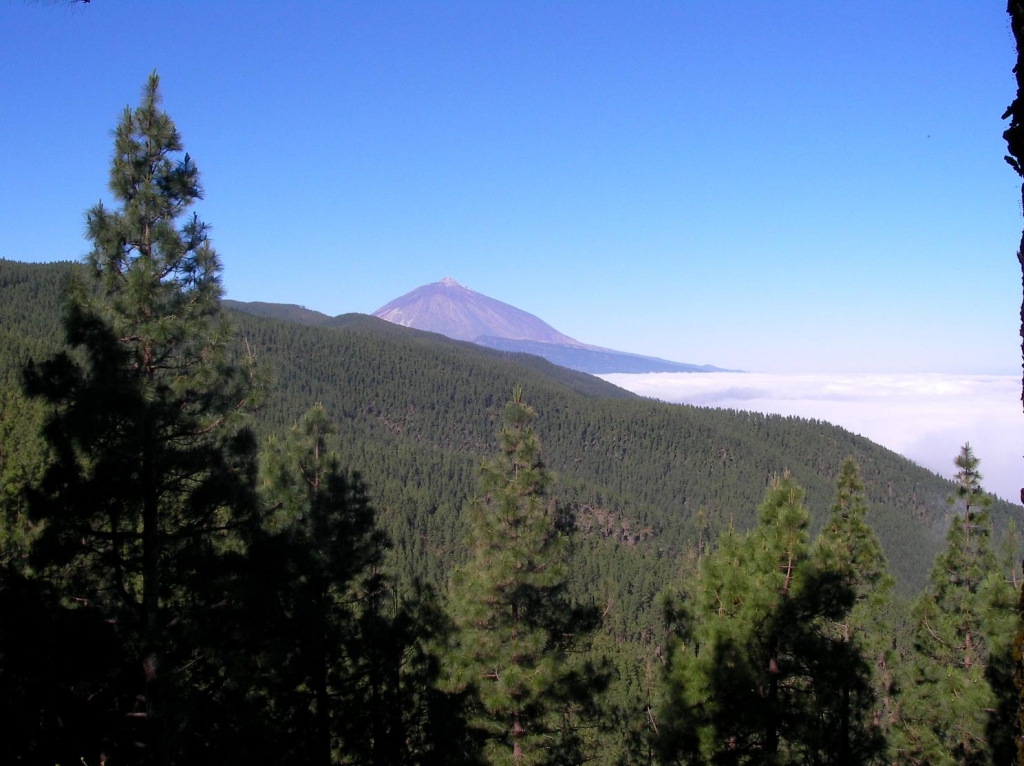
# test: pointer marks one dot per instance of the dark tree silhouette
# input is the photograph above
(1014, 136)
(152, 468)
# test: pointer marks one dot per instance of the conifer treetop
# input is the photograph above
(159, 274)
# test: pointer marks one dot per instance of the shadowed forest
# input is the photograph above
(240, 538)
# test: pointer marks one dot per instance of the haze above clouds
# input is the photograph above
(925, 417)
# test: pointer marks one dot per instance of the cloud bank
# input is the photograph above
(925, 417)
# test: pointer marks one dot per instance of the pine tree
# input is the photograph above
(509, 607)
(847, 542)
(962, 628)
(322, 643)
(151, 469)
(1018, 682)
(848, 546)
(757, 675)
(313, 575)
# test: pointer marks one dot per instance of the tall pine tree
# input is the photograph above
(1018, 682)
(508, 602)
(848, 547)
(315, 572)
(151, 471)
(963, 628)
(327, 664)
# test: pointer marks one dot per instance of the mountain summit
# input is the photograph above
(453, 310)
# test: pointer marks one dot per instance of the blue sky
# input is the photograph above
(785, 187)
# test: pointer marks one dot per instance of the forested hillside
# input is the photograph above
(646, 489)
(417, 411)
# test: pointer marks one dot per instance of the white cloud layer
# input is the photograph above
(926, 417)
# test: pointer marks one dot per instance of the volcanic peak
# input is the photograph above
(448, 308)
(451, 309)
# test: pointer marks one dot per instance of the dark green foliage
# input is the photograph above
(149, 474)
(29, 314)
(316, 575)
(283, 311)
(329, 665)
(848, 547)
(415, 412)
(848, 544)
(23, 456)
(508, 601)
(637, 470)
(758, 674)
(1017, 708)
(646, 484)
(28, 328)
(963, 626)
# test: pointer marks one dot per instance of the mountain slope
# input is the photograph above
(450, 309)
(644, 480)
(592, 359)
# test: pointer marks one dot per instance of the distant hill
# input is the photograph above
(287, 312)
(453, 310)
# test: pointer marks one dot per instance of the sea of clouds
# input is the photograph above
(925, 417)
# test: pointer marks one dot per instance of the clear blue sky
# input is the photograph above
(786, 187)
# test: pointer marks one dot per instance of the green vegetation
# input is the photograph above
(321, 644)
(149, 472)
(964, 622)
(210, 563)
(515, 628)
(761, 671)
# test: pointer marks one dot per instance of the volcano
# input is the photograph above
(455, 311)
